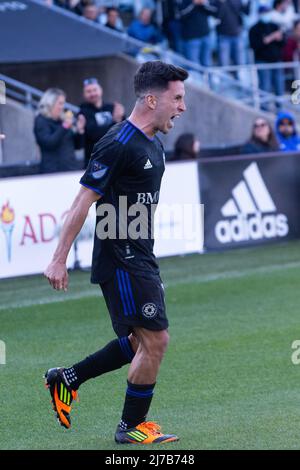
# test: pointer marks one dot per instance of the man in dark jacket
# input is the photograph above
(172, 24)
(267, 41)
(195, 30)
(99, 117)
(230, 41)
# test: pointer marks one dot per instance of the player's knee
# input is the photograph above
(164, 340)
(158, 344)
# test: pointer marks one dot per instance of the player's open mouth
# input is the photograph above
(172, 118)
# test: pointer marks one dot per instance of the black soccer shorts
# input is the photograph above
(135, 301)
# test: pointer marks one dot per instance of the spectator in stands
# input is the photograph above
(66, 4)
(230, 41)
(267, 41)
(262, 139)
(75, 6)
(172, 24)
(113, 20)
(91, 12)
(288, 138)
(143, 29)
(195, 30)
(57, 133)
(187, 147)
(283, 14)
(99, 116)
(291, 50)
(138, 5)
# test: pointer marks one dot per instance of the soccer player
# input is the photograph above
(127, 161)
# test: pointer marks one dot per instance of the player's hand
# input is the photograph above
(57, 275)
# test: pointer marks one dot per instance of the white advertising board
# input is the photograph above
(33, 208)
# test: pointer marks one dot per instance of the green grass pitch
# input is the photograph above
(227, 381)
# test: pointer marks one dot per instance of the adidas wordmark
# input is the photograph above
(250, 214)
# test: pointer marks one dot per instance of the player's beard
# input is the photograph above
(167, 126)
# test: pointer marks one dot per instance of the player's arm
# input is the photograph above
(56, 272)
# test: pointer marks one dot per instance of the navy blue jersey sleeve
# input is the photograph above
(107, 163)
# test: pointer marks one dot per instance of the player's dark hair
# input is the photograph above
(156, 75)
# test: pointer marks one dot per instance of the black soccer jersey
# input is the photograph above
(126, 168)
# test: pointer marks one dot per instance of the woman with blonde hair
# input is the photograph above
(57, 133)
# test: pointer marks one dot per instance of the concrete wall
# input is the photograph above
(115, 75)
(16, 122)
(214, 119)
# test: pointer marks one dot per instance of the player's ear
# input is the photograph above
(151, 101)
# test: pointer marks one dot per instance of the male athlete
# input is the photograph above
(127, 161)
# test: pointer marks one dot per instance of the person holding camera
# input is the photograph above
(58, 133)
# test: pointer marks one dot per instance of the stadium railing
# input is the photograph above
(216, 79)
(26, 95)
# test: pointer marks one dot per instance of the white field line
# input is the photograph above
(200, 279)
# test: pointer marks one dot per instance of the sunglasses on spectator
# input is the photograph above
(286, 123)
(90, 81)
(260, 124)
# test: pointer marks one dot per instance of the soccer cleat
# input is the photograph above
(61, 395)
(144, 433)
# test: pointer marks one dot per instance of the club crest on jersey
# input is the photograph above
(149, 310)
(98, 170)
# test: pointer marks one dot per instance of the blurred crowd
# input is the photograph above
(207, 32)
(264, 137)
(60, 132)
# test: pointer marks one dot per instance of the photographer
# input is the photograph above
(57, 133)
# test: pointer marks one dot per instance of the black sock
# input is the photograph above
(114, 355)
(137, 403)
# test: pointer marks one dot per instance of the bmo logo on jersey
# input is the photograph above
(147, 198)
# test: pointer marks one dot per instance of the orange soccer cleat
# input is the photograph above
(61, 395)
(144, 433)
